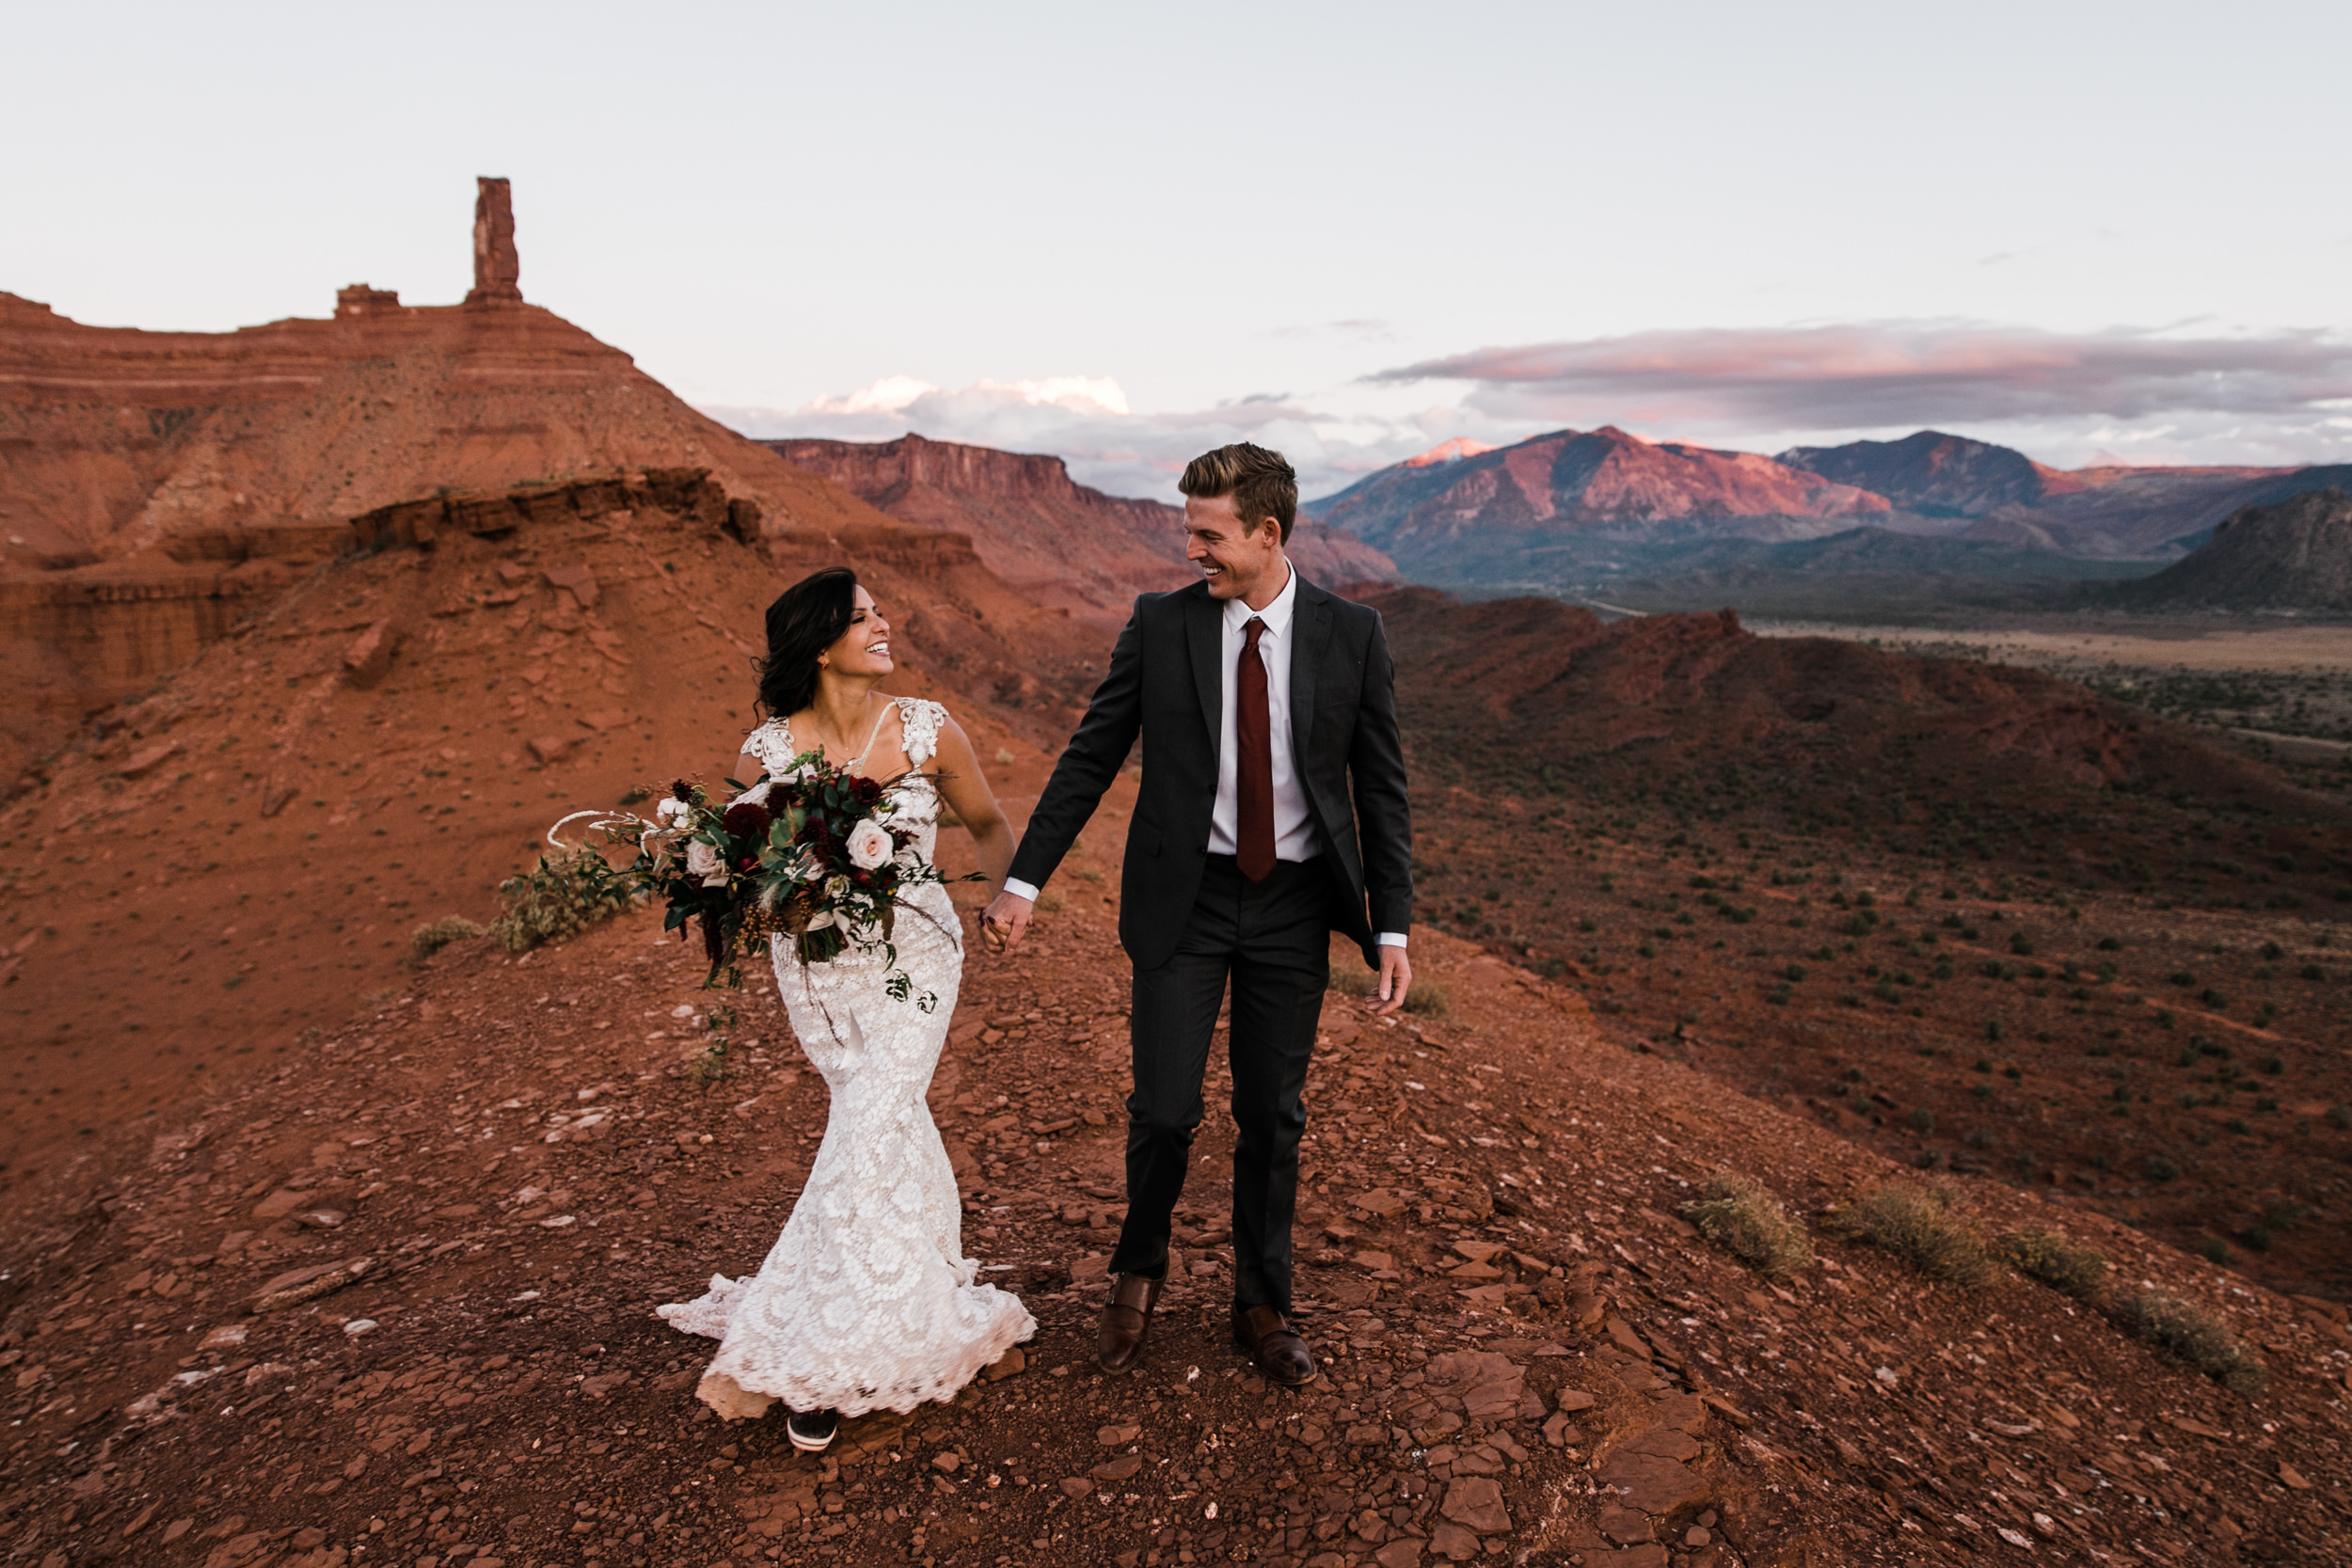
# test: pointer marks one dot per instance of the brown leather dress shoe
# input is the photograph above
(1267, 1338)
(1126, 1318)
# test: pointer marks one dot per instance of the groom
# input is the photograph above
(1273, 807)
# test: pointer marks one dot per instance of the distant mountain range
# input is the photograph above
(1583, 510)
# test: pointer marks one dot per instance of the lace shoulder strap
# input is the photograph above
(920, 719)
(771, 743)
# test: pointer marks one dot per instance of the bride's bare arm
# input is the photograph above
(966, 789)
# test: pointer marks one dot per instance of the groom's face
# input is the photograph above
(1233, 560)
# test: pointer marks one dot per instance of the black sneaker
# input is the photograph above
(812, 1431)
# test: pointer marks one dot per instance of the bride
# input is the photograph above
(867, 1301)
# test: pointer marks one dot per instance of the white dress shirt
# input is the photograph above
(1293, 827)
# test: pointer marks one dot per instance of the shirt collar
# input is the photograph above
(1276, 615)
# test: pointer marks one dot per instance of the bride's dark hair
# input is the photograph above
(806, 618)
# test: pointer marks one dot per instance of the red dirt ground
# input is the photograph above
(1529, 1357)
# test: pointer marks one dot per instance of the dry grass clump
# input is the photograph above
(2189, 1333)
(557, 900)
(1925, 1225)
(1424, 997)
(1748, 1222)
(2055, 1261)
(434, 935)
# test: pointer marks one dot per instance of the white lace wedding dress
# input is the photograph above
(867, 1301)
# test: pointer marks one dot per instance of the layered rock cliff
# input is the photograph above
(1065, 543)
(153, 484)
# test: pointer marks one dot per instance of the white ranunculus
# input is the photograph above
(870, 845)
(703, 861)
(671, 809)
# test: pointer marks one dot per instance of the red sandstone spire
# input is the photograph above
(497, 269)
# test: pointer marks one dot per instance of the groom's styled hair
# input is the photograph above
(1261, 483)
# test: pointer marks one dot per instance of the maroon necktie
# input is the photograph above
(1253, 771)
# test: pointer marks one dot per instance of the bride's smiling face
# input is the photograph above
(864, 648)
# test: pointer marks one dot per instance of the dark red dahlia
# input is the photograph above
(747, 819)
(869, 790)
(681, 790)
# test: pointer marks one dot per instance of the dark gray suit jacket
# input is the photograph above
(1165, 684)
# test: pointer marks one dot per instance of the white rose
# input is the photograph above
(703, 861)
(870, 845)
(671, 809)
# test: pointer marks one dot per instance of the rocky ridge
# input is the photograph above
(1937, 475)
(2291, 556)
(1062, 542)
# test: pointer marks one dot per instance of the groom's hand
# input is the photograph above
(1396, 978)
(1005, 919)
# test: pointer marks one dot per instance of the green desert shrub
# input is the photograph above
(1427, 998)
(1925, 1225)
(1350, 981)
(1748, 1222)
(557, 900)
(2055, 1261)
(434, 935)
(2190, 1334)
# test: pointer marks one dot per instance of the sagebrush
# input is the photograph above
(1748, 1222)
(557, 900)
(2188, 1333)
(2064, 1265)
(1428, 999)
(1925, 1225)
(434, 935)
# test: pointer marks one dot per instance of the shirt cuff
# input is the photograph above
(1387, 938)
(1019, 889)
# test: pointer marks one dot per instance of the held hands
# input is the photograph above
(1396, 978)
(1004, 921)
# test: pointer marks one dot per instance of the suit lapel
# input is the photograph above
(1311, 638)
(1204, 638)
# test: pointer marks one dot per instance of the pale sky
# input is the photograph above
(1127, 234)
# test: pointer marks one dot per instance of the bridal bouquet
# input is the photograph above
(811, 855)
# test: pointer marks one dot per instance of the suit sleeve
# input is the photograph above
(1089, 763)
(1383, 809)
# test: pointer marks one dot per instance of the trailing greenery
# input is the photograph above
(1925, 1225)
(557, 900)
(2190, 1334)
(1745, 1220)
(2055, 1261)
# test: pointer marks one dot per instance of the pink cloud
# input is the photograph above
(1895, 373)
